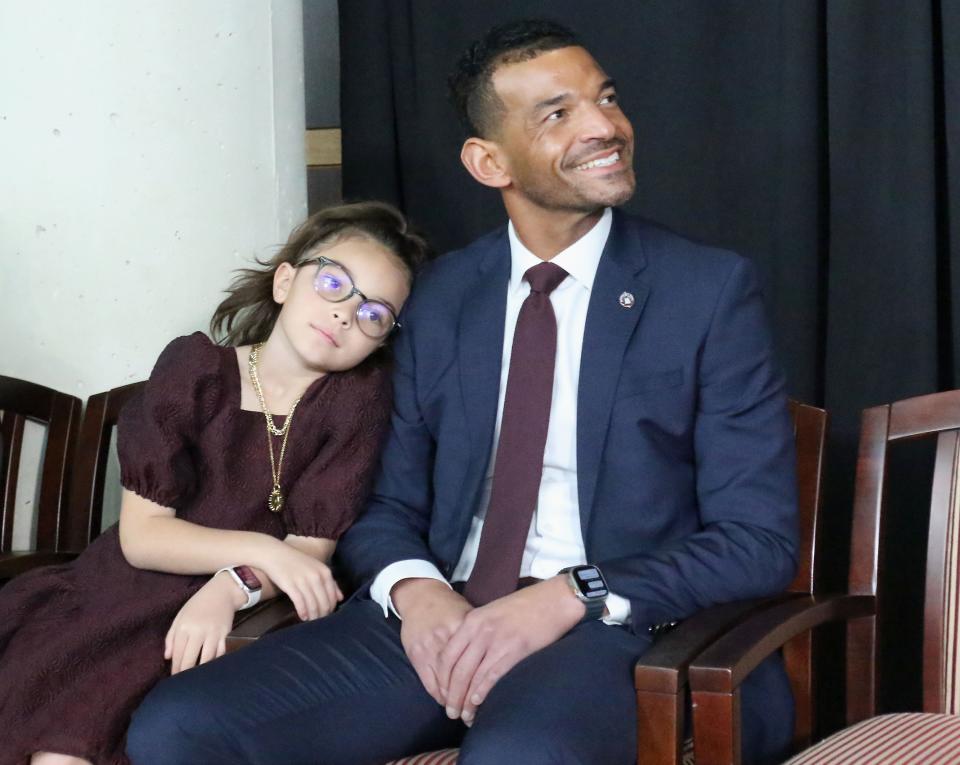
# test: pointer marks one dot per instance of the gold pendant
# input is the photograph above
(276, 500)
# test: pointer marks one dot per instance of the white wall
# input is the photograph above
(147, 148)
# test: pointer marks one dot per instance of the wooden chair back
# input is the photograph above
(810, 432)
(21, 401)
(933, 416)
(90, 464)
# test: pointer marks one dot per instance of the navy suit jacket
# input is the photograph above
(685, 460)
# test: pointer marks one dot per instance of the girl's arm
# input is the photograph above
(152, 537)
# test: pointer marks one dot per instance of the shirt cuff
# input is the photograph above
(618, 609)
(402, 569)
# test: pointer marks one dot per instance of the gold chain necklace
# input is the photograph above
(275, 501)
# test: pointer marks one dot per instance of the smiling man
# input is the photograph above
(590, 443)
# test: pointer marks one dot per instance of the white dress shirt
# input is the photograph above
(555, 540)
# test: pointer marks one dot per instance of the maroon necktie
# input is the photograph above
(523, 436)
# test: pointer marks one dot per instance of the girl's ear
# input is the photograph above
(282, 282)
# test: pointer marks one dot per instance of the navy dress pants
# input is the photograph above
(340, 691)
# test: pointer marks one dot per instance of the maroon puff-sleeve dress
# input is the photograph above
(82, 643)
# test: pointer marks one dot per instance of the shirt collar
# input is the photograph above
(581, 259)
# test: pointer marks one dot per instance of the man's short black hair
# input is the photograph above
(471, 82)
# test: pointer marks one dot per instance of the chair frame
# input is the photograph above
(661, 675)
(716, 674)
(90, 465)
(21, 400)
(79, 521)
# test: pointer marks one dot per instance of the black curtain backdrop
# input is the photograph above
(819, 138)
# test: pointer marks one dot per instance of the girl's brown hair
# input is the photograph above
(248, 313)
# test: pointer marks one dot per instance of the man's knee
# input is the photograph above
(172, 727)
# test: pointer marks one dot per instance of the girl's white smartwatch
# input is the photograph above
(247, 581)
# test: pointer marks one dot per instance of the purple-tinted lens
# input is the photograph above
(332, 282)
(374, 319)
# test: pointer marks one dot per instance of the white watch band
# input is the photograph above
(253, 596)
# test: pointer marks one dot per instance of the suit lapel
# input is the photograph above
(481, 353)
(606, 334)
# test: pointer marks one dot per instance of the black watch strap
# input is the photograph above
(594, 610)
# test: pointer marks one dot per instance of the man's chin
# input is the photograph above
(609, 192)
(609, 197)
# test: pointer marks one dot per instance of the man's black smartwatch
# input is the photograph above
(590, 587)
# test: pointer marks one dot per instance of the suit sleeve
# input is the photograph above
(745, 476)
(394, 526)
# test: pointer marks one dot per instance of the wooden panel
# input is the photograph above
(324, 187)
(323, 147)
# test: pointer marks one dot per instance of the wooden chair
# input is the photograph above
(927, 737)
(661, 675)
(79, 523)
(88, 480)
(21, 401)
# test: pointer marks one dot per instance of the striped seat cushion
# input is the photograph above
(440, 757)
(897, 739)
(449, 757)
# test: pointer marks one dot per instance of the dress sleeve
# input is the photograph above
(158, 427)
(331, 492)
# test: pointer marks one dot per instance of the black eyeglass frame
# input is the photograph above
(322, 261)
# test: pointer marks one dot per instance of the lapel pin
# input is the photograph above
(627, 299)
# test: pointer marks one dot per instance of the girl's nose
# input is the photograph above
(344, 312)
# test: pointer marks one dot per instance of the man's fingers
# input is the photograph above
(462, 676)
(449, 657)
(486, 676)
(428, 677)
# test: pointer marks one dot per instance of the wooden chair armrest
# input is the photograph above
(660, 677)
(256, 622)
(663, 667)
(13, 563)
(723, 666)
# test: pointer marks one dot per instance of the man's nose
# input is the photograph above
(596, 124)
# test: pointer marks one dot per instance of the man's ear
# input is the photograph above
(282, 282)
(485, 162)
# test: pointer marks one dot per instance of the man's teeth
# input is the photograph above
(603, 162)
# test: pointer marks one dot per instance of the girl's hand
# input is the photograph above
(199, 631)
(306, 581)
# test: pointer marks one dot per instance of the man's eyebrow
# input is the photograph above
(608, 83)
(550, 102)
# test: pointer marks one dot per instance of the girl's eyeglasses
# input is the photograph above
(334, 284)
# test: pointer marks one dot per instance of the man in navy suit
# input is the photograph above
(665, 485)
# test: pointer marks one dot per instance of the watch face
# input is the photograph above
(590, 581)
(248, 578)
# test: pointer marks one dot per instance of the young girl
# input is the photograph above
(242, 464)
